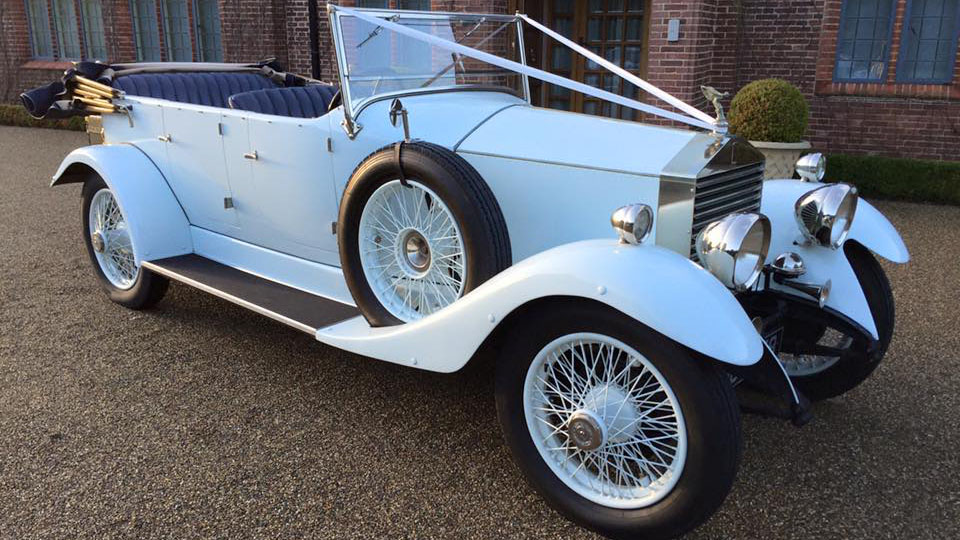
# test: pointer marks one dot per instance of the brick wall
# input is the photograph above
(723, 43)
(254, 30)
(796, 40)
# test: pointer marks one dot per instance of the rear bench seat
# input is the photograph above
(311, 101)
(212, 89)
(243, 91)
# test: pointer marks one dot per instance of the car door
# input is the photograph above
(281, 174)
(195, 166)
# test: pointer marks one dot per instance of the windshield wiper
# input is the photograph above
(376, 31)
(457, 57)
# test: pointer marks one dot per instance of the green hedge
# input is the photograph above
(898, 178)
(16, 115)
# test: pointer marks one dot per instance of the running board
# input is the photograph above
(293, 307)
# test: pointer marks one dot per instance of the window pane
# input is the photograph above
(928, 47)
(176, 29)
(93, 38)
(41, 43)
(65, 21)
(208, 31)
(614, 29)
(381, 4)
(146, 31)
(864, 37)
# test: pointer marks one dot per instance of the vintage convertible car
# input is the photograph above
(424, 213)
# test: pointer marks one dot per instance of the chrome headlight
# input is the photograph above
(825, 214)
(632, 222)
(734, 249)
(812, 167)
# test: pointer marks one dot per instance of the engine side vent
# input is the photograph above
(724, 193)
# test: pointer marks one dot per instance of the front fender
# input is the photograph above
(157, 223)
(870, 228)
(657, 287)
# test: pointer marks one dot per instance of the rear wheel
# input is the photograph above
(614, 425)
(111, 250)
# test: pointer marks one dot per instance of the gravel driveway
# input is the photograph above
(199, 419)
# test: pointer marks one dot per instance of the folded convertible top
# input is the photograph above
(90, 87)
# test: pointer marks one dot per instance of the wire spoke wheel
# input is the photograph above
(110, 238)
(605, 420)
(411, 250)
(810, 359)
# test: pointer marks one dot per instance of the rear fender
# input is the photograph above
(870, 228)
(158, 225)
(659, 288)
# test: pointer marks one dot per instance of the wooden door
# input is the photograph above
(614, 29)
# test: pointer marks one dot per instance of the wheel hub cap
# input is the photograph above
(587, 430)
(416, 251)
(98, 243)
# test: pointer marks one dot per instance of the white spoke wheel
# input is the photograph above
(111, 247)
(411, 250)
(110, 238)
(616, 426)
(605, 420)
(414, 239)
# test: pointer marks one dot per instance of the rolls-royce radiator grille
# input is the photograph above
(721, 194)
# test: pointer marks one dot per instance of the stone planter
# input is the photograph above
(781, 157)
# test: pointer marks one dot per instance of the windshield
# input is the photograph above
(375, 60)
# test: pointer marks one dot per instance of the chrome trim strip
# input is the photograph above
(414, 14)
(430, 90)
(228, 297)
(548, 162)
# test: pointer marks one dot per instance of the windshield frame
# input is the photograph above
(351, 111)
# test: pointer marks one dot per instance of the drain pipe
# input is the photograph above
(314, 39)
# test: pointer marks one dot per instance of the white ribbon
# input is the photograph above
(532, 72)
(672, 100)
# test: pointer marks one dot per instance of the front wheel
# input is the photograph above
(615, 425)
(825, 362)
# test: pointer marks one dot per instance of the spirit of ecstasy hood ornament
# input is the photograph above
(714, 96)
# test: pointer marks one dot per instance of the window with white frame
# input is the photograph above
(207, 19)
(176, 31)
(146, 31)
(65, 24)
(38, 20)
(91, 19)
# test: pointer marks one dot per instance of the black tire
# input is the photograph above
(147, 290)
(851, 370)
(469, 199)
(706, 398)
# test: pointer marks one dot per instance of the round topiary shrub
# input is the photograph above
(771, 110)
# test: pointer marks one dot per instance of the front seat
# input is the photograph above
(311, 101)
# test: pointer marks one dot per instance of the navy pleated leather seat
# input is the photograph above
(211, 89)
(309, 101)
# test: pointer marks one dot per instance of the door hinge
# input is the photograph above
(227, 203)
(329, 144)
(333, 227)
(220, 129)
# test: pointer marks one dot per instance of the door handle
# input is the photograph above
(165, 138)
(251, 155)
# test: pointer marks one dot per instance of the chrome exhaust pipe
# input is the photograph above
(819, 292)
